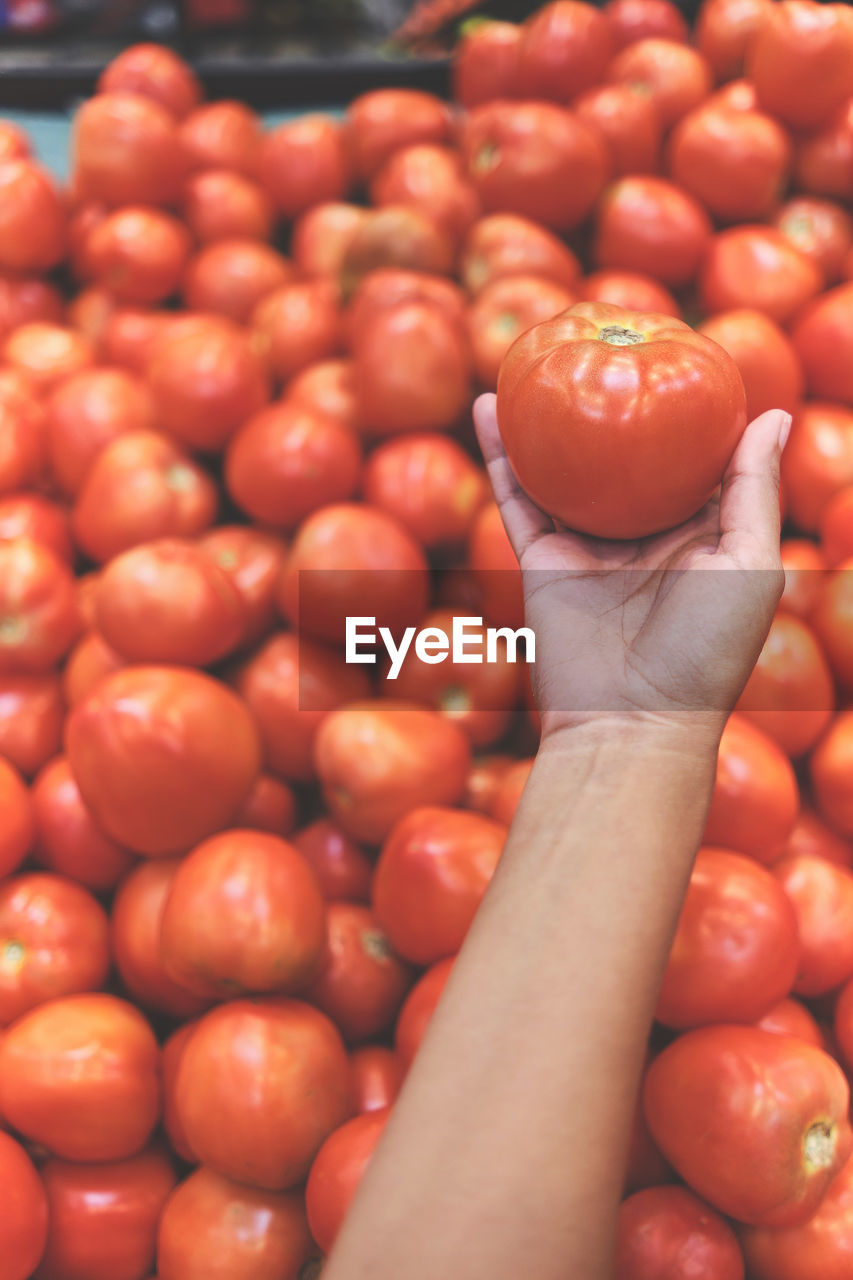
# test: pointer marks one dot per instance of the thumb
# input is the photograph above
(750, 519)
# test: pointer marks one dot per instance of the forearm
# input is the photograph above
(504, 1156)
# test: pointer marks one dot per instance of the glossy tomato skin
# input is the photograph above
(262, 1116)
(38, 608)
(213, 1229)
(31, 717)
(790, 1018)
(633, 20)
(384, 120)
(252, 560)
(801, 61)
(433, 179)
(824, 1241)
(163, 756)
(360, 983)
(103, 1217)
(563, 50)
(343, 872)
(485, 63)
(303, 163)
(630, 123)
(23, 1227)
(503, 311)
(80, 1076)
(822, 164)
(506, 244)
(790, 693)
(418, 1009)
(629, 289)
(758, 267)
(817, 462)
(231, 277)
(535, 159)
(822, 896)
(736, 950)
(559, 373)
(428, 483)
(155, 72)
(33, 221)
(139, 254)
(768, 363)
(68, 842)
(735, 162)
(54, 941)
(667, 1230)
(434, 869)
(221, 135)
(219, 204)
(377, 1076)
(821, 229)
(336, 1173)
(754, 1122)
(46, 353)
(647, 224)
(244, 912)
(755, 800)
(823, 341)
(676, 77)
(85, 413)
(377, 761)
(725, 30)
(126, 150)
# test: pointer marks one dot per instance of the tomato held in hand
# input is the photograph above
(23, 1226)
(754, 1122)
(667, 1232)
(336, 1173)
(655, 465)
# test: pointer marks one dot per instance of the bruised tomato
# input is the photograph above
(755, 800)
(337, 1170)
(617, 484)
(769, 365)
(669, 1230)
(428, 483)
(650, 225)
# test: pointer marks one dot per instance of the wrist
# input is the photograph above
(692, 735)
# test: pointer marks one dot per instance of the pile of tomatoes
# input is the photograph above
(236, 376)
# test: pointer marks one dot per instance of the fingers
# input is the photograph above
(749, 501)
(523, 520)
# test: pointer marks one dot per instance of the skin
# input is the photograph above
(536, 1050)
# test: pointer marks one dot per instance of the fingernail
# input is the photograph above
(784, 430)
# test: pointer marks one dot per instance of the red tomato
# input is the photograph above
(14, 141)
(378, 762)
(418, 1009)
(244, 912)
(270, 806)
(836, 532)
(54, 941)
(206, 379)
(219, 204)
(303, 163)
(429, 484)
(646, 1165)
(434, 869)
(790, 693)
(496, 571)
(39, 619)
(386, 288)
(817, 462)
(432, 179)
(80, 1076)
(758, 267)
(824, 1241)
(28, 515)
(290, 685)
(801, 61)
(28, 299)
(504, 310)
(377, 1076)
(614, 486)
(18, 829)
(535, 159)
(822, 896)
(23, 1227)
(564, 49)
(103, 1217)
(385, 120)
(667, 1231)
(820, 229)
(361, 982)
(832, 774)
(831, 620)
(47, 353)
(824, 345)
(790, 1018)
(85, 413)
(139, 254)
(67, 841)
(485, 63)
(735, 952)
(155, 72)
(327, 388)
(33, 220)
(297, 325)
(336, 1173)
(810, 835)
(222, 135)
(173, 1052)
(755, 1123)
(769, 365)
(629, 289)
(261, 1113)
(647, 224)
(342, 870)
(214, 1227)
(321, 237)
(504, 244)
(484, 778)
(630, 124)
(130, 335)
(823, 164)
(396, 236)
(230, 277)
(735, 162)
(676, 77)
(633, 20)
(89, 660)
(805, 568)
(509, 791)
(22, 434)
(251, 559)
(725, 31)
(163, 756)
(126, 149)
(843, 1023)
(756, 800)
(31, 716)
(135, 923)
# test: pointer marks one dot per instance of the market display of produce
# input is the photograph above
(236, 375)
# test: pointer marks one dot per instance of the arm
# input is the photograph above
(504, 1156)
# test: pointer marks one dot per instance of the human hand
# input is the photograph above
(659, 630)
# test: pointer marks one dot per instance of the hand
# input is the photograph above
(659, 627)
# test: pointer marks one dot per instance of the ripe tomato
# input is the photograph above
(322, 235)
(629, 122)
(649, 225)
(327, 388)
(820, 229)
(564, 49)
(810, 835)
(67, 841)
(270, 806)
(790, 1018)
(28, 515)
(80, 1076)
(298, 324)
(790, 693)
(843, 1023)
(336, 1173)
(395, 236)
(757, 267)
(376, 762)
(23, 300)
(824, 1241)
(735, 162)
(725, 31)
(23, 1227)
(251, 559)
(805, 568)
(219, 204)
(39, 619)
(836, 529)
(31, 717)
(630, 290)
(129, 335)
(669, 1230)
(139, 254)
(54, 941)
(831, 766)
(85, 413)
(213, 1227)
(633, 20)
(831, 621)
(823, 343)
(343, 872)
(386, 288)
(173, 1051)
(434, 869)
(126, 149)
(230, 277)
(22, 433)
(484, 778)
(818, 461)
(735, 952)
(558, 375)
(419, 1006)
(801, 61)
(769, 365)
(304, 162)
(103, 1217)
(509, 790)
(14, 141)
(221, 135)
(244, 912)
(89, 660)
(153, 71)
(535, 159)
(33, 220)
(261, 1116)
(135, 924)
(495, 568)
(504, 310)
(377, 1076)
(47, 353)
(823, 164)
(676, 77)
(163, 756)
(360, 983)
(383, 121)
(755, 800)
(485, 62)
(432, 179)
(822, 896)
(18, 829)
(504, 244)
(429, 484)
(754, 1122)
